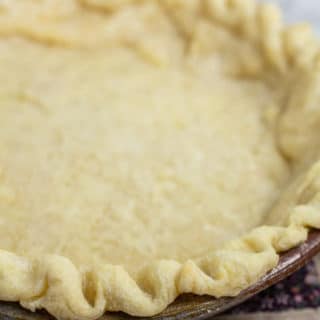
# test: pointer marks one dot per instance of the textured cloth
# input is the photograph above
(297, 297)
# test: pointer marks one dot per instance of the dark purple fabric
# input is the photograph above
(299, 291)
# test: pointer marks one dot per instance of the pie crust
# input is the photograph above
(151, 148)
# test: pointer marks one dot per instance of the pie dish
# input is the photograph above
(151, 148)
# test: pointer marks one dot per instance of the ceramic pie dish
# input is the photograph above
(150, 149)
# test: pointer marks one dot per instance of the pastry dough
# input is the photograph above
(151, 148)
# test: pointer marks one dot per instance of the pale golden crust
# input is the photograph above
(270, 51)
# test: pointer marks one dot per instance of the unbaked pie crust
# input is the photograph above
(151, 148)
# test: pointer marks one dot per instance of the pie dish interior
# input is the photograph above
(151, 148)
